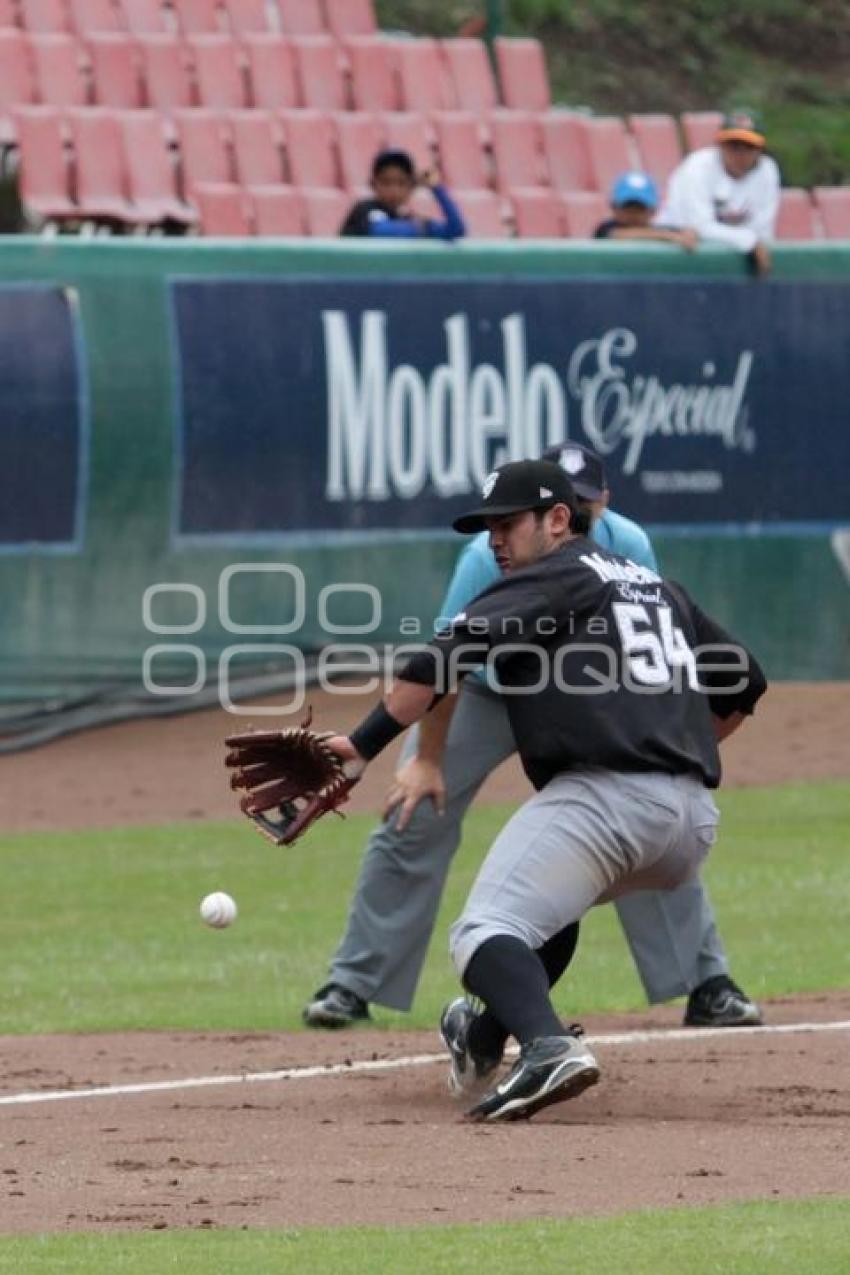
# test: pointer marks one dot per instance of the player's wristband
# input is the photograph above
(375, 732)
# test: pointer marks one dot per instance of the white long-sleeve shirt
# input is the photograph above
(740, 212)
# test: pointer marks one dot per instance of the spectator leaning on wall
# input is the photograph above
(634, 203)
(387, 215)
(729, 192)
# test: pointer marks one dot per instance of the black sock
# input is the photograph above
(512, 982)
(487, 1035)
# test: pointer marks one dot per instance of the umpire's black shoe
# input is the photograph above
(718, 1002)
(335, 1006)
(549, 1069)
(469, 1072)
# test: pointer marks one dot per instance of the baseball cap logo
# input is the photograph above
(489, 483)
(572, 460)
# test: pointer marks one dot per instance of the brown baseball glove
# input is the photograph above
(292, 778)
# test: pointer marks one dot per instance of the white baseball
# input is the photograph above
(218, 910)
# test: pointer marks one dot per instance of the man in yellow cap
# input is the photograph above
(728, 192)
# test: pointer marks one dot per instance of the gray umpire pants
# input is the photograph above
(671, 933)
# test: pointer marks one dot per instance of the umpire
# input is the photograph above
(618, 690)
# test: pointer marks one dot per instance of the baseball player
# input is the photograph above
(672, 935)
(618, 690)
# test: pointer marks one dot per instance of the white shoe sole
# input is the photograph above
(568, 1080)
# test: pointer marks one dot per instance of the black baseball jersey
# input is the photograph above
(602, 663)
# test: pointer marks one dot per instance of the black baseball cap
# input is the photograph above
(515, 487)
(585, 469)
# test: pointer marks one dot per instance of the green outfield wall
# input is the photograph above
(114, 363)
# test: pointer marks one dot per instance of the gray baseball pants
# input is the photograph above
(671, 933)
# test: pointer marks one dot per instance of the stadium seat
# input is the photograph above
(144, 17)
(566, 150)
(248, 17)
(409, 131)
(374, 86)
(257, 147)
(517, 150)
(700, 128)
(278, 211)
(44, 170)
(151, 174)
(350, 17)
(45, 17)
(796, 219)
(522, 74)
(272, 72)
(310, 153)
(101, 173)
(583, 212)
(17, 86)
(461, 155)
(115, 71)
(90, 17)
(198, 17)
(224, 210)
(325, 211)
(59, 77)
(359, 137)
(301, 17)
(320, 73)
(423, 76)
(482, 211)
(658, 145)
(8, 14)
(202, 137)
(833, 203)
(538, 214)
(218, 71)
(608, 146)
(165, 72)
(471, 74)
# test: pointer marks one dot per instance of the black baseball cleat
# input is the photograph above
(549, 1069)
(469, 1073)
(335, 1006)
(718, 1002)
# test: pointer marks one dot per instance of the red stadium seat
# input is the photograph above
(522, 74)
(301, 17)
(224, 210)
(100, 165)
(700, 128)
(272, 72)
(218, 71)
(796, 219)
(44, 170)
(584, 210)
(517, 149)
(659, 148)
(95, 16)
(567, 150)
(325, 211)
(462, 159)
(350, 17)
(482, 211)
(423, 76)
(248, 17)
(198, 17)
(115, 71)
(408, 131)
(609, 151)
(278, 211)
(144, 17)
(8, 14)
(320, 73)
(202, 137)
(165, 72)
(257, 145)
(359, 137)
(374, 86)
(471, 74)
(58, 73)
(45, 17)
(17, 87)
(309, 142)
(833, 202)
(151, 175)
(538, 214)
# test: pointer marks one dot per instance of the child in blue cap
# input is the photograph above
(634, 203)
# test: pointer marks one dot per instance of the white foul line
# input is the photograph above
(411, 1060)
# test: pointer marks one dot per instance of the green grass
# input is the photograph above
(99, 930)
(805, 1237)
